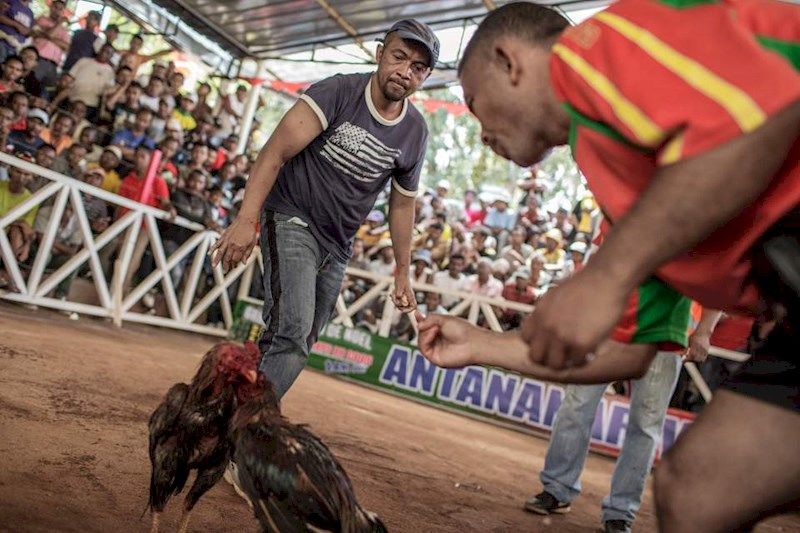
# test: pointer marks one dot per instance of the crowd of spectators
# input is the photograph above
(79, 104)
(482, 243)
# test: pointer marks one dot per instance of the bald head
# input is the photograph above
(530, 22)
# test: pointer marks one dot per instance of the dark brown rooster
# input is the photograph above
(188, 430)
(292, 479)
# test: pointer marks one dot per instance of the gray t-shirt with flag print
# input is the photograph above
(333, 183)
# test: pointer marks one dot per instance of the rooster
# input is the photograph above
(291, 478)
(188, 430)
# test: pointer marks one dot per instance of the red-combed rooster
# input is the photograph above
(292, 479)
(188, 431)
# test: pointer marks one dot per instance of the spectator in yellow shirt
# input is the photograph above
(554, 255)
(183, 112)
(12, 194)
(109, 161)
(373, 230)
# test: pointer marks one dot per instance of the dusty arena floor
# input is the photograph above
(75, 398)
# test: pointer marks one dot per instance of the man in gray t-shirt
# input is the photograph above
(314, 183)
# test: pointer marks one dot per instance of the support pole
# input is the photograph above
(249, 112)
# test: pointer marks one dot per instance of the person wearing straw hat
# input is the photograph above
(553, 252)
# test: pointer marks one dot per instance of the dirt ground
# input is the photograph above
(74, 403)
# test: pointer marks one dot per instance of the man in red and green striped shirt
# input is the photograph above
(684, 117)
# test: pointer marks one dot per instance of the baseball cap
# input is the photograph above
(114, 150)
(579, 247)
(40, 114)
(414, 30)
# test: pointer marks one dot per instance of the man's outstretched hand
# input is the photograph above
(448, 341)
(572, 319)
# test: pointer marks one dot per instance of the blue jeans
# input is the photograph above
(569, 442)
(301, 285)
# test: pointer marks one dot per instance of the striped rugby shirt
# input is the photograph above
(648, 83)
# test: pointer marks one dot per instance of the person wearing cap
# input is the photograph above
(422, 266)
(29, 140)
(384, 264)
(183, 112)
(316, 180)
(374, 229)
(554, 255)
(12, 193)
(500, 219)
(96, 209)
(577, 252)
(442, 188)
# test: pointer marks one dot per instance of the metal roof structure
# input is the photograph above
(333, 32)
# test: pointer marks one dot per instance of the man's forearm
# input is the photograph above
(262, 179)
(612, 361)
(689, 200)
(401, 224)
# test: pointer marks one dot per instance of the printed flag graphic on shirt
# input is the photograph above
(357, 153)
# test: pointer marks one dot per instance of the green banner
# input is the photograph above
(357, 355)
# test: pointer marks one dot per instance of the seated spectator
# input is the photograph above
(532, 217)
(169, 147)
(183, 112)
(517, 252)
(6, 121)
(242, 163)
(58, 96)
(29, 140)
(71, 163)
(132, 186)
(77, 110)
(422, 266)
(225, 180)
(484, 283)
(553, 253)
(82, 44)
(110, 36)
(174, 87)
(218, 213)
(518, 289)
(130, 138)
(161, 121)
(432, 304)
(474, 212)
(122, 111)
(358, 259)
(225, 152)
(501, 269)
(12, 72)
(190, 203)
(12, 193)
(51, 37)
(59, 135)
(452, 279)
(540, 278)
(586, 216)
(30, 83)
(152, 94)
(563, 223)
(202, 134)
(202, 109)
(43, 157)
(374, 229)
(384, 265)
(433, 241)
(109, 163)
(93, 77)
(66, 243)
(483, 242)
(231, 111)
(96, 208)
(19, 102)
(577, 252)
(500, 220)
(88, 139)
(197, 161)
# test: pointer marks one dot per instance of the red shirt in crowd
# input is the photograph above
(131, 188)
(697, 97)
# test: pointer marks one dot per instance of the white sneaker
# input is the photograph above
(232, 476)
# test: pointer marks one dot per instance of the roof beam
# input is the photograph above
(346, 26)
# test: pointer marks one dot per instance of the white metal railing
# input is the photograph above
(185, 306)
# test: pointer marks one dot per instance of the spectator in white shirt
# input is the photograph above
(453, 279)
(93, 76)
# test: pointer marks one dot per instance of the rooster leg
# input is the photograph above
(183, 526)
(154, 523)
